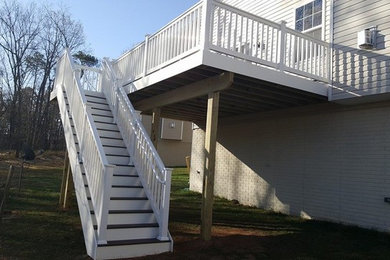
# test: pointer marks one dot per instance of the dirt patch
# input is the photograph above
(226, 243)
(44, 160)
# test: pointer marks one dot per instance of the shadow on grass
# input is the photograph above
(33, 227)
(241, 232)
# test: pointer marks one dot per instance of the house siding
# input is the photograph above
(324, 162)
(279, 10)
(359, 72)
(171, 151)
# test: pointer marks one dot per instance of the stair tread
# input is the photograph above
(125, 175)
(102, 122)
(113, 138)
(101, 97)
(101, 109)
(122, 226)
(132, 242)
(135, 211)
(127, 186)
(119, 155)
(125, 198)
(103, 115)
(114, 146)
(124, 165)
(108, 130)
(94, 102)
(128, 198)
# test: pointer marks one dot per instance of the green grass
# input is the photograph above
(34, 228)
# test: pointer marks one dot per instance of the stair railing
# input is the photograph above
(97, 169)
(155, 178)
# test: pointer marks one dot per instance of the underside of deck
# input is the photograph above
(246, 95)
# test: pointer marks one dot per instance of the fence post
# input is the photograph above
(63, 183)
(104, 206)
(206, 23)
(6, 189)
(163, 231)
(282, 50)
(145, 64)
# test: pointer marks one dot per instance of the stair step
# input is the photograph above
(119, 155)
(103, 122)
(101, 109)
(122, 226)
(111, 149)
(132, 242)
(133, 231)
(121, 249)
(132, 180)
(110, 134)
(133, 191)
(108, 130)
(100, 112)
(112, 138)
(125, 175)
(123, 217)
(125, 165)
(127, 186)
(102, 115)
(127, 211)
(112, 141)
(99, 103)
(93, 96)
(99, 106)
(125, 198)
(106, 126)
(100, 118)
(118, 160)
(128, 198)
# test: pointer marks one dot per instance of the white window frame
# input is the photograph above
(323, 22)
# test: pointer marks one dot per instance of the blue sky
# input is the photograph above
(113, 26)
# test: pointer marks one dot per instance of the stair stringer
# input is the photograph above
(81, 195)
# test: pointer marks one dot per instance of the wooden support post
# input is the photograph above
(209, 168)
(156, 126)
(63, 183)
(68, 188)
(20, 176)
(6, 189)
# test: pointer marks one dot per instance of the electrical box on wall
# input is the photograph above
(171, 129)
(367, 38)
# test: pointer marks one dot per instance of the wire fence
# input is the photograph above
(11, 178)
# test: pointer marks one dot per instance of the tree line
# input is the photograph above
(32, 37)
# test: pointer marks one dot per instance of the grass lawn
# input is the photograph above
(33, 228)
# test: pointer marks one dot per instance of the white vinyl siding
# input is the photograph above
(358, 72)
(280, 10)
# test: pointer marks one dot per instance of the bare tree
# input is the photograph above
(31, 40)
(18, 31)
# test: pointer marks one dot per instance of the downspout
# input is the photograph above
(331, 43)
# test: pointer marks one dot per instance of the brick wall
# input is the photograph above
(324, 161)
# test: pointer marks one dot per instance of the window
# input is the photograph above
(308, 17)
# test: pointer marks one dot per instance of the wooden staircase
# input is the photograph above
(132, 223)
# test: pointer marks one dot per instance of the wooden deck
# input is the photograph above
(274, 66)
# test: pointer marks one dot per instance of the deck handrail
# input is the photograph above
(91, 155)
(156, 179)
(231, 32)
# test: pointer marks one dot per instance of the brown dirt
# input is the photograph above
(226, 243)
(46, 160)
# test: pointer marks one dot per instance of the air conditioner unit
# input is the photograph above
(367, 38)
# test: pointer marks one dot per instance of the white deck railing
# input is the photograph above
(155, 178)
(231, 32)
(97, 169)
